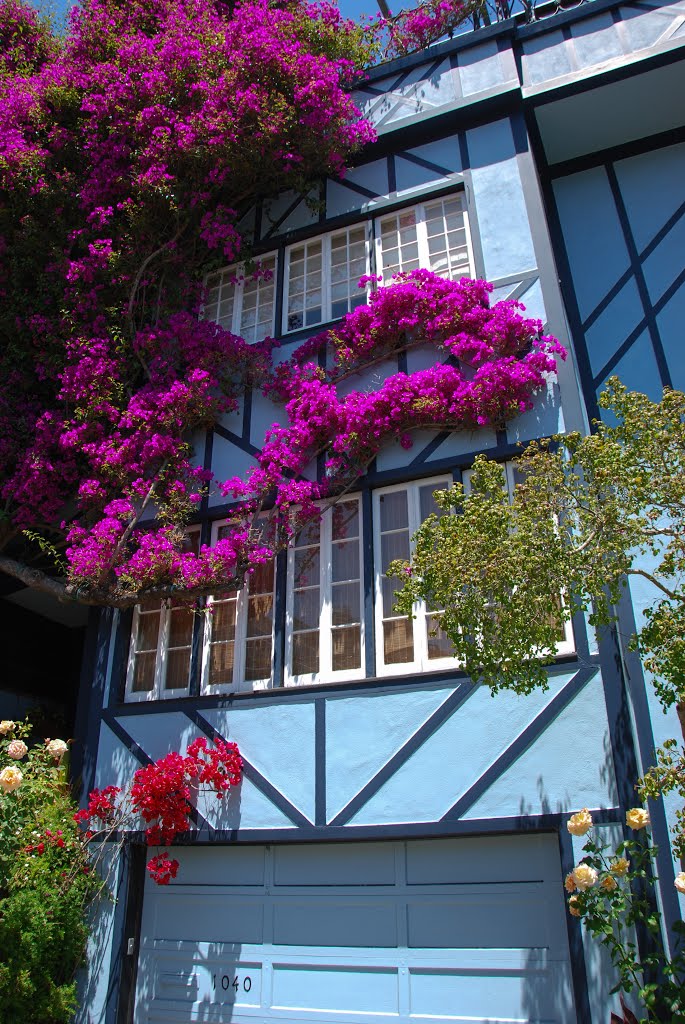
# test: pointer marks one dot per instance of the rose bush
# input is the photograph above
(613, 895)
(46, 884)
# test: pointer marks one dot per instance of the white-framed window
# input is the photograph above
(405, 644)
(433, 236)
(322, 275)
(324, 608)
(239, 632)
(242, 302)
(160, 646)
(565, 639)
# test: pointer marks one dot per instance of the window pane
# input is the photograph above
(306, 609)
(347, 650)
(307, 567)
(399, 246)
(440, 645)
(261, 581)
(177, 669)
(309, 534)
(258, 659)
(427, 503)
(181, 626)
(345, 561)
(144, 672)
(346, 603)
(148, 631)
(446, 230)
(305, 653)
(223, 621)
(348, 264)
(389, 588)
(256, 321)
(398, 643)
(305, 281)
(345, 520)
(260, 615)
(394, 545)
(221, 663)
(394, 511)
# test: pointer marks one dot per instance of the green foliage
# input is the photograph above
(668, 776)
(587, 513)
(46, 885)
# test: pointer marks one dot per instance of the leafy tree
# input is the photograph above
(587, 513)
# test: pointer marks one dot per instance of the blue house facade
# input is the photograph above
(397, 847)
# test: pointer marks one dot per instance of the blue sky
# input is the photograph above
(350, 8)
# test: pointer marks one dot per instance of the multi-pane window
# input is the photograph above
(404, 644)
(161, 641)
(238, 647)
(432, 235)
(324, 627)
(244, 302)
(322, 277)
(565, 640)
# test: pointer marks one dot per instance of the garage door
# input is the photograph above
(441, 929)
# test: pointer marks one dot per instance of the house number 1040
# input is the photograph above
(226, 982)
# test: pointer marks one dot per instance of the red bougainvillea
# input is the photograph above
(161, 794)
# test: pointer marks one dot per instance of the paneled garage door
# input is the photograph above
(420, 931)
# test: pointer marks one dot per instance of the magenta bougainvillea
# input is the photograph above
(131, 152)
(161, 794)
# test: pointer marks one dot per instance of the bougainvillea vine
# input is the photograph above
(127, 157)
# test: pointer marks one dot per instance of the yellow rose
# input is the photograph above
(6, 726)
(580, 823)
(569, 884)
(619, 867)
(637, 818)
(573, 907)
(10, 779)
(608, 883)
(17, 749)
(584, 876)
(680, 881)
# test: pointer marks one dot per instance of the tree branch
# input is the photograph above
(35, 578)
(657, 583)
(143, 267)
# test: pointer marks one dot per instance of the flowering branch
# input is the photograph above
(161, 794)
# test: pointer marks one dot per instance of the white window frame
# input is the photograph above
(567, 645)
(239, 682)
(325, 674)
(422, 234)
(326, 281)
(158, 691)
(421, 662)
(234, 277)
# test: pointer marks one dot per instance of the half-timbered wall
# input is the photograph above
(385, 756)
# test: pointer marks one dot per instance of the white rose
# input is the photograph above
(680, 881)
(10, 779)
(17, 749)
(57, 748)
(6, 726)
